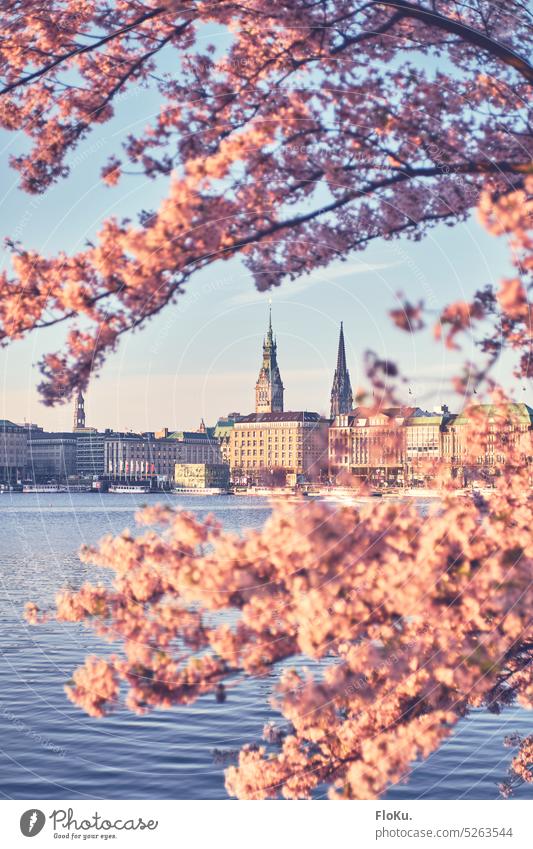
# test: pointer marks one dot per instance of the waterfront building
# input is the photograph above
(13, 451)
(196, 446)
(341, 391)
(369, 444)
(265, 447)
(90, 445)
(426, 435)
(51, 456)
(269, 387)
(423, 435)
(90, 452)
(129, 456)
(483, 439)
(410, 445)
(201, 475)
(222, 433)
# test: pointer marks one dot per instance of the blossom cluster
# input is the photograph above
(440, 622)
(319, 129)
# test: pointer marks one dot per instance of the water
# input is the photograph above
(49, 749)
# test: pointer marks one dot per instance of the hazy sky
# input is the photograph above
(201, 357)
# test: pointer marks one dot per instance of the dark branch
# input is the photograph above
(467, 33)
(78, 51)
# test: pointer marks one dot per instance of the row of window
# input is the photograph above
(257, 464)
(251, 452)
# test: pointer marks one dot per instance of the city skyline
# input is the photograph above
(269, 388)
(199, 357)
(337, 372)
(201, 360)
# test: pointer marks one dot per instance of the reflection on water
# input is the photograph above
(49, 749)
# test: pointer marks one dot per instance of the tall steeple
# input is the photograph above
(269, 387)
(79, 412)
(341, 391)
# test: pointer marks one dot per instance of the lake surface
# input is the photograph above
(49, 749)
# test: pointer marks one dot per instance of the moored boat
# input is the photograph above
(345, 495)
(129, 489)
(208, 490)
(44, 488)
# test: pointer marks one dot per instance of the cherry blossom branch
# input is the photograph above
(79, 50)
(468, 34)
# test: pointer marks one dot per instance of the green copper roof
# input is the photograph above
(223, 430)
(520, 413)
(193, 435)
(224, 426)
(5, 423)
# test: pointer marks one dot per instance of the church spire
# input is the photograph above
(269, 342)
(341, 391)
(341, 354)
(79, 412)
(269, 387)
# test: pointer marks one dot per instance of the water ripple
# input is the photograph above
(49, 749)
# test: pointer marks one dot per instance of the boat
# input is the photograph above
(268, 492)
(344, 495)
(483, 491)
(129, 489)
(44, 488)
(207, 490)
(421, 492)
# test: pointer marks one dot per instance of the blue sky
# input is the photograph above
(200, 358)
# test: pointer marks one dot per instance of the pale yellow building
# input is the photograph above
(264, 447)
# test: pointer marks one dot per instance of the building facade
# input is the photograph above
(369, 444)
(425, 437)
(222, 434)
(90, 452)
(269, 387)
(265, 447)
(411, 445)
(51, 456)
(341, 391)
(130, 456)
(13, 452)
(196, 447)
(484, 439)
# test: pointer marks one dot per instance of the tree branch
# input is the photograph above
(467, 33)
(78, 51)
